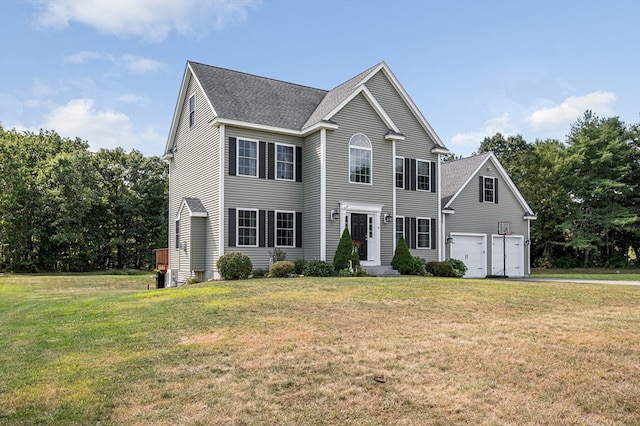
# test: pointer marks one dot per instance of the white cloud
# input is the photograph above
(561, 116)
(471, 140)
(85, 56)
(134, 64)
(102, 129)
(150, 20)
(141, 65)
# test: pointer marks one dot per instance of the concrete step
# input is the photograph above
(381, 271)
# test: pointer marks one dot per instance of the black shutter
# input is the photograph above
(432, 178)
(414, 232)
(271, 228)
(495, 190)
(298, 164)
(261, 228)
(481, 189)
(232, 156)
(407, 231)
(232, 228)
(298, 229)
(262, 154)
(432, 233)
(271, 162)
(413, 174)
(407, 174)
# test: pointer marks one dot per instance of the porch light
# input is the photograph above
(449, 240)
(387, 218)
(335, 214)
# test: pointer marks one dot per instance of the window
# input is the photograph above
(399, 172)
(423, 175)
(285, 227)
(177, 233)
(247, 157)
(247, 228)
(489, 190)
(399, 228)
(192, 110)
(359, 159)
(285, 162)
(424, 233)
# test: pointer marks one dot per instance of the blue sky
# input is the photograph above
(109, 71)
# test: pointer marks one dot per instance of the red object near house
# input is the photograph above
(162, 259)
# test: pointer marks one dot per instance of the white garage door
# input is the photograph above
(514, 247)
(471, 250)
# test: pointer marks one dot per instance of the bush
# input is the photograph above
(277, 255)
(402, 260)
(259, 273)
(299, 265)
(318, 268)
(192, 280)
(346, 251)
(234, 266)
(459, 267)
(281, 269)
(441, 269)
(418, 267)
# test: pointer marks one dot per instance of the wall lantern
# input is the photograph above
(387, 218)
(449, 240)
(335, 214)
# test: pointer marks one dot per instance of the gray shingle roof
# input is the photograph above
(455, 173)
(249, 98)
(195, 205)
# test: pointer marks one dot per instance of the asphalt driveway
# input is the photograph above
(579, 281)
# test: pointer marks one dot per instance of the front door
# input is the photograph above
(359, 232)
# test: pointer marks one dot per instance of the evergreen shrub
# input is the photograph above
(234, 266)
(281, 269)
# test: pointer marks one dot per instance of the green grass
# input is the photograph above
(92, 349)
(589, 274)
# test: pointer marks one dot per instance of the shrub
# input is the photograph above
(459, 267)
(192, 280)
(277, 255)
(318, 268)
(418, 267)
(402, 260)
(234, 266)
(440, 269)
(299, 266)
(259, 273)
(281, 269)
(347, 250)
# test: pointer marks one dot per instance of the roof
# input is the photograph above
(195, 206)
(246, 99)
(455, 174)
(249, 98)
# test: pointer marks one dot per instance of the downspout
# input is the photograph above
(393, 208)
(222, 137)
(440, 224)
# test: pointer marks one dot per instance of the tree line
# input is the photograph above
(64, 208)
(585, 192)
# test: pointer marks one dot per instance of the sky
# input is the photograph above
(109, 71)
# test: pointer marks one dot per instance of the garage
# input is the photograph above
(514, 260)
(470, 249)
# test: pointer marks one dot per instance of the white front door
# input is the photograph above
(513, 246)
(363, 220)
(471, 250)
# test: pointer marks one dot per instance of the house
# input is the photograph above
(257, 164)
(486, 219)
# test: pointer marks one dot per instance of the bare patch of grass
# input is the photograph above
(407, 350)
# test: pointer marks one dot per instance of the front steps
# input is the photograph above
(381, 271)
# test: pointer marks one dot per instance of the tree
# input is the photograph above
(345, 252)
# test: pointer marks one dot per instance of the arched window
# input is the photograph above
(359, 159)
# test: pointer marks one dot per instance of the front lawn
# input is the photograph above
(80, 349)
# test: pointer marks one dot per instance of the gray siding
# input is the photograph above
(242, 192)
(197, 244)
(359, 117)
(311, 159)
(194, 173)
(472, 216)
(417, 145)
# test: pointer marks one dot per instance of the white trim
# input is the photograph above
(394, 192)
(372, 211)
(484, 189)
(440, 223)
(428, 219)
(275, 228)
(192, 96)
(221, 172)
(430, 177)
(370, 149)
(509, 237)
(218, 121)
(323, 194)
(257, 211)
(184, 204)
(257, 142)
(275, 172)
(372, 101)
